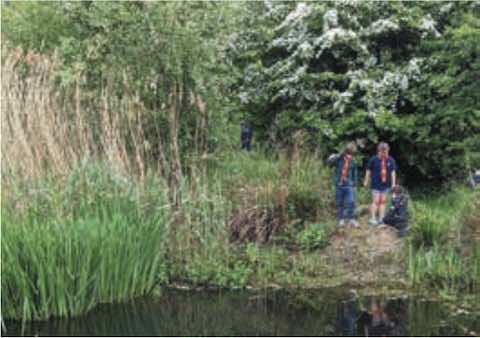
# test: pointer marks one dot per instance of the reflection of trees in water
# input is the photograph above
(200, 313)
(181, 313)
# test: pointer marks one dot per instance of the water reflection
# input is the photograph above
(383, 318)
(241, 313)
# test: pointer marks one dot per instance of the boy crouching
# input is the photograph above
(397, 216)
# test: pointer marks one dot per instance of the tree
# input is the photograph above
(363, 71)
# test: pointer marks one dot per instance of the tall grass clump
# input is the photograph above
(66, 248)
(440, 267)
(444, 245)
(200, 250)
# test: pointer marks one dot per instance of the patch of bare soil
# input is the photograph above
(367, 255)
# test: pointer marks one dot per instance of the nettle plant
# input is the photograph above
(364, 71)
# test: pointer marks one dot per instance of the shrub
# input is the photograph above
(313, 237)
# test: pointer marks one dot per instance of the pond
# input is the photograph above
(264, 313)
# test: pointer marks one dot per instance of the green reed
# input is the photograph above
(68, 247)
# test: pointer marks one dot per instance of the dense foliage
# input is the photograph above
(402, 72)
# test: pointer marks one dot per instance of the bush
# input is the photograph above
(313, 237)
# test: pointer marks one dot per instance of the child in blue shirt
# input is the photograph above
(345, 184)
(381, 168)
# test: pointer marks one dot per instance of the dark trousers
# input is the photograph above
(345, 199)
(399, 223)
(246, 145)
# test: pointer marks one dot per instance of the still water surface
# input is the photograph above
(266, 313)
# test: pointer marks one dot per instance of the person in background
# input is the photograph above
(382, 169)
(246, 134)
(345, 184)
(474, 181)
(398, 216)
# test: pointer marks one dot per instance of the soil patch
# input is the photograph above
(367, 255)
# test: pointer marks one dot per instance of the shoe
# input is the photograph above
(353, 223)
(341, 223)
(372, 222)
(403, 232)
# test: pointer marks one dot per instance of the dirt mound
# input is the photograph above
(367, 255)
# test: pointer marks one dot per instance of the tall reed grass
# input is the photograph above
(47, 128)
(444, 250)
(97, 239)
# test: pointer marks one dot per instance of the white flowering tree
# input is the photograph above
(358, 70)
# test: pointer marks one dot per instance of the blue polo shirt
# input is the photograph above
(375, 167)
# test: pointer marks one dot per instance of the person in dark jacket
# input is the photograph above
(246, 135)
(345, 183)
(397, 216)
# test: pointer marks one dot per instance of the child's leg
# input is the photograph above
(350, 197)
(339, 202)
(375, 204)
(382, 200)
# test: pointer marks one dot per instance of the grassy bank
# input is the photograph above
(445, 241)
(97, 236)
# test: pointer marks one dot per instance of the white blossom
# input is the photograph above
(305, 50)
(428, 26)
(382, 26)
(446, 8)
(243, 96)
(413, 67)
(333, 36)
(404, 82)
(299, 13)
(371, 61)
(330, 19)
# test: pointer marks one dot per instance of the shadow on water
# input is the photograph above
(243, 313)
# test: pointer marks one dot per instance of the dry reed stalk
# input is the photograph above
(47, 129)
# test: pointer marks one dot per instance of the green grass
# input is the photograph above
(439, 241)
(96, 236)
(90, 241)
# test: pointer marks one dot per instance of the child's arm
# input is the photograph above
(368, 172)
(367, 177)
(355, 175)
(394, 173)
